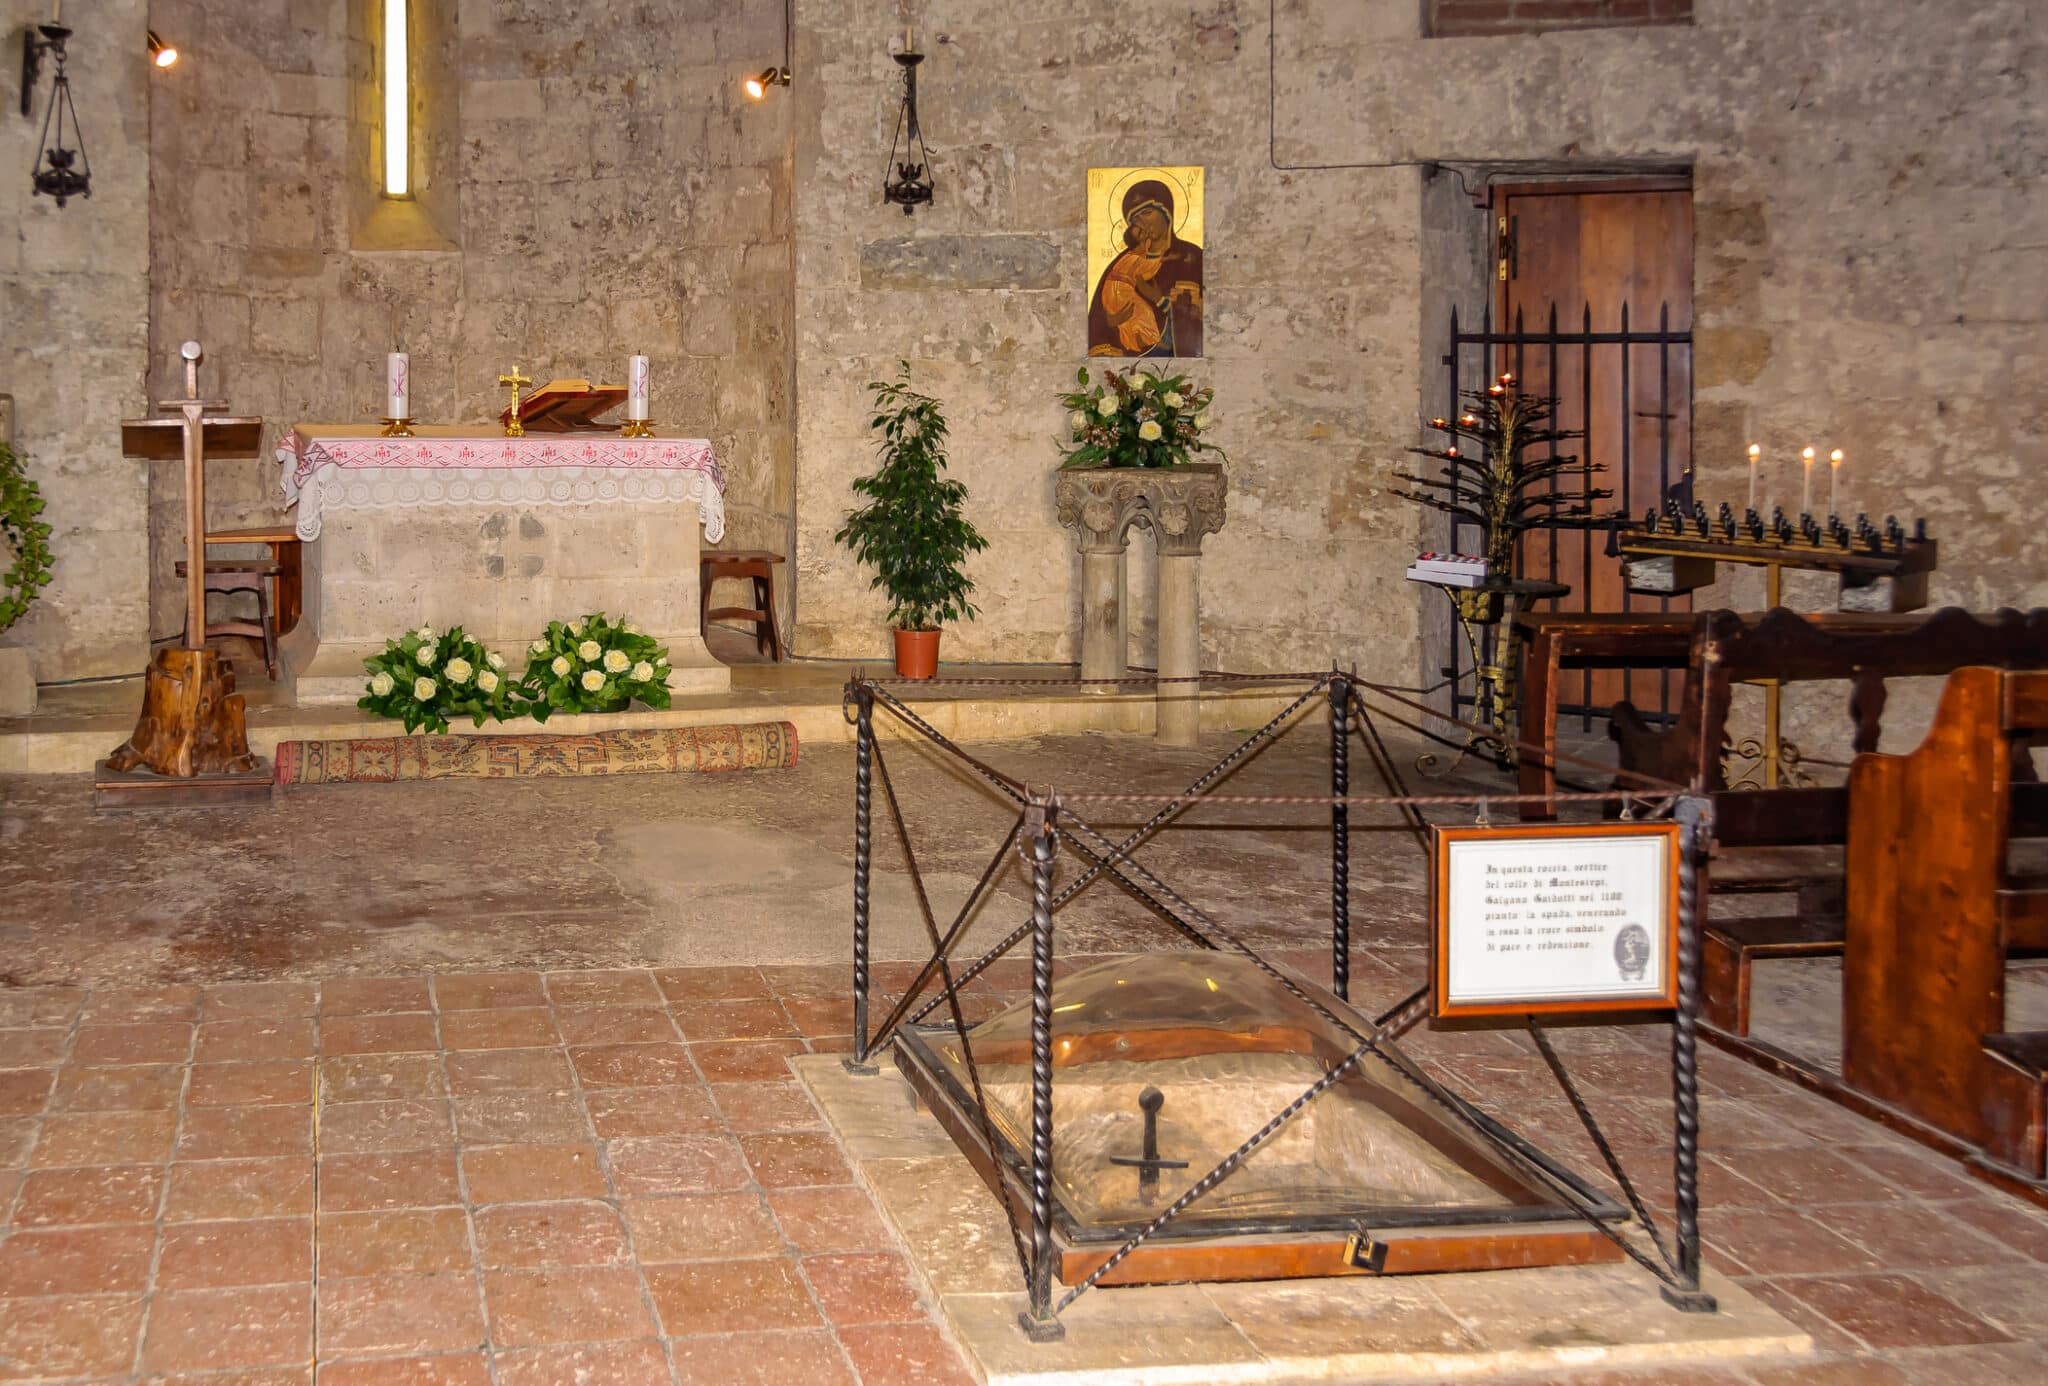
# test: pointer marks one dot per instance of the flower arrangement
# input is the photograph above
(29, 537)
(1136, 419)
(593, 664)
(426, 676)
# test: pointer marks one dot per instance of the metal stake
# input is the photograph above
(1695, 829)
(1340, 838)
(863, 804)
(1039, 1323)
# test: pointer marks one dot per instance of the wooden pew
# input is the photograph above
(1933, 909)
(1863, 651)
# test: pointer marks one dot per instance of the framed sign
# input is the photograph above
(1555, 919)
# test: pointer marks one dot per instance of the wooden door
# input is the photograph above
(1588, 252)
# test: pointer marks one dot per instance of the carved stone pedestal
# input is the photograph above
(1179, 505)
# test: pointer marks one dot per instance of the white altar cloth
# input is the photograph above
(498, 535)
(331, 466)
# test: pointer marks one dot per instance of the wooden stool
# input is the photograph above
(713, 564)
(285, 551)
(240, 575)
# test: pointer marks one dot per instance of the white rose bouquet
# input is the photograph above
(426, 677)
(1136, 419)
(594, 664)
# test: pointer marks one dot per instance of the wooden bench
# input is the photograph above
(238, 575)
(1933, 910)
(1861, 650)
(1559, 640)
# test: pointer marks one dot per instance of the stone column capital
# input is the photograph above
(1178, 504)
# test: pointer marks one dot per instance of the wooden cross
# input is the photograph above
(514, 428)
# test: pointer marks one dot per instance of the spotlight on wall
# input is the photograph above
(161, 53)
(760, 85)
(768, 79)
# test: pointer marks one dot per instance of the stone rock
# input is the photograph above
(960, 262)
(17, 682)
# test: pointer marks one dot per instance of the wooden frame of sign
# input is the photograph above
(1576, 934)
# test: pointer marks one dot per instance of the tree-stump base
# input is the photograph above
(193, 722)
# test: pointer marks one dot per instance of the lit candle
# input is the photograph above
(1806, 482)
(1755, 454)
(1834, 482)
(636, 388)
(398, 385)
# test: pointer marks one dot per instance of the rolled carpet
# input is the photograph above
(654, 751)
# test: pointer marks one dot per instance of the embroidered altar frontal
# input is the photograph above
(655, 751)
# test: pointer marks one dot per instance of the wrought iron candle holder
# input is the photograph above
(60, 172)
(912, 186)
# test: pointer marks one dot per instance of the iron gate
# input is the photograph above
(1644, 367)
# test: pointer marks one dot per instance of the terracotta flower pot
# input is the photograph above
(917, 653)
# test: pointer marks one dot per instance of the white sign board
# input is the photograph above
(1556, 919)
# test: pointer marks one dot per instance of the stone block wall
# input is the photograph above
(74, 301)
(1310, 320)
(595, 181)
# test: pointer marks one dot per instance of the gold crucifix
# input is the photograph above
(514, 428)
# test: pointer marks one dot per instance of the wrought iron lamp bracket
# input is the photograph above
(911, 186)
(58, 172)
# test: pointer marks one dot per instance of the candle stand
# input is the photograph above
(190, 747)
(1881, 569)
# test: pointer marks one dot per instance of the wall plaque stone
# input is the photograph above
(960, 262)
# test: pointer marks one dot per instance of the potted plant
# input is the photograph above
(1136, 419)
(28, 538)
(912, 531)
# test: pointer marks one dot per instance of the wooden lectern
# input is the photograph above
(191, 744)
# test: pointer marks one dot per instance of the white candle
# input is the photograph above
(636, 388)
(398, 385)
(1755, 454)
(1806, 482)
(1834, 482)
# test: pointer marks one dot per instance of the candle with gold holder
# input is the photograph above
(1805, 480)
(1755, 455)
(1834, 482)
(397, 395)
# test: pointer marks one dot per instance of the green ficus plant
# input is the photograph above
(20, 503)
(912, 531)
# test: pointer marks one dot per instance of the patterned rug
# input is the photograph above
(670, 750)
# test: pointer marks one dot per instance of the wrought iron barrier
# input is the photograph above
(1048, 822)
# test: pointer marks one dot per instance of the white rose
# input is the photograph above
(1077, 421)
(537, 647)
(487, 681)
(643, 671)
(1106, 406)
(589, 650)
(575, 628)
(380, 684)
(592, 680)
(629, 628)
(426, 654)
(615, 661)
(560, 666)
(1149, 431)
(423, 689)
(1173, 399)
(662, 660)
(458, 670)
(428, 634)
(494, 659)
(1202, 419)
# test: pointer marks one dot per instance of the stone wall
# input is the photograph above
(1310, 321)
(74, 297)
(592, 179)
(1871, 214)
(1464, 18)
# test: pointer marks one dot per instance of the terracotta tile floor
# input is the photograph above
(610, 1176)
(512, 1177)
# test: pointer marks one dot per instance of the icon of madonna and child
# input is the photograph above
(1145, 260)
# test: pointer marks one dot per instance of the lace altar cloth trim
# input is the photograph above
(382, 473)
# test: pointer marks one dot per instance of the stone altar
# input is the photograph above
(1179, 505)
(498, 535)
